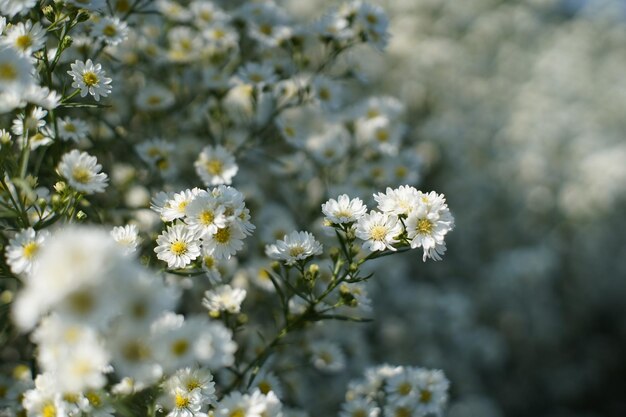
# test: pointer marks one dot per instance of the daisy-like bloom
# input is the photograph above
(29, 124)
(72, 129)
(176, 207)
(294, 247)
(327, 356)
(238, 404)
(82, 172)
(44, 399)
(25, 38)
(154, 97)
(216, 165)
(225, 242)
(428, 224)
(111, 30)
(23, 248)
(127, 236)
(13, 7)
(432, 391)
(343, 210)
(400, 201)
(267, 382)
(359, 407)
(15, 72)
(190, 380)
(90, 79)
(224, 298)
(205, 215)
(41, 96)
(257, 74)
(178, 246)
(182, 403)
(379, 231)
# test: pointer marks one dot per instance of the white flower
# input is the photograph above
(238, 404)
(205, 215)
(224, 298)
(13, 7)
(90, 79)
(327, 356)
(82, 172)
(127, 236)
(72, 129)
(294, 247)
(225, 242)
(216, 165)
(111, 30)
(379, 231)
(178, 246)
(15, 71)
(428, 224)
(23, 248)
(344, 210)
(192, 379)
(259, 74)
(29, 124)
(359, 407)
(89, 4)
(154, 97)
(176, 206)
(25, 38)
(400, 201)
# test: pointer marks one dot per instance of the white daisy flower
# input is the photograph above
(22, 250)
(205, 215)
(216, 165)
(176, 207)
(428, 225)
(190, 380)
(178, 246)
(344, 210)
(90, 79)
(400, 201)
(16, 72)
(238, 404)
(432, 391)
(224, 298)
(89, 4)
(154, 97)
(25, 37)
(111, 30)
(127, 236)
(294, 247)
(379, 231)
(82, 172)
(327, 356)
(73, 129)
(359, 407)
(13, 7)
(30, 124)
(225, 242)
(257, 74)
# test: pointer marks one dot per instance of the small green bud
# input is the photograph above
(66, 42)
(60, 187)
(81, 215)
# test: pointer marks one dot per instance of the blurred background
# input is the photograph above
(519, 110)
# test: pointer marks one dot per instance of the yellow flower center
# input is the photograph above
(209, 261)
(401, 171)
(382, 135)
(70, 127)
(424, 226)
(180, 347)
(265, 387)
(81, 302)
(7, 71)
(3, 391)
(222, 236)
(135, 351)
(122, 5)
(181, 401)
(219, 34)
(182, 205)
(154, 100)
(94, 399)
(295, 251)
(359, 413)
(289, 131)
(109, 31)
(372, 19)
(30, 250)
(81, 175)
(324, 94)
(266, 29)
(192, 384)
(425, 396)
(207, 217)
(90, 78)
(238, 412)
(178, 248)
(402, 412)
(24, 42)
(404, 388)
(378, 232)
(49, 410)
(214, 166)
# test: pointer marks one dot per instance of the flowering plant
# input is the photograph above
(139, 283)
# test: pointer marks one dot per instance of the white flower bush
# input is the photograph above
(189, 210)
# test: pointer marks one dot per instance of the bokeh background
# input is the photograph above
(519, 111)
